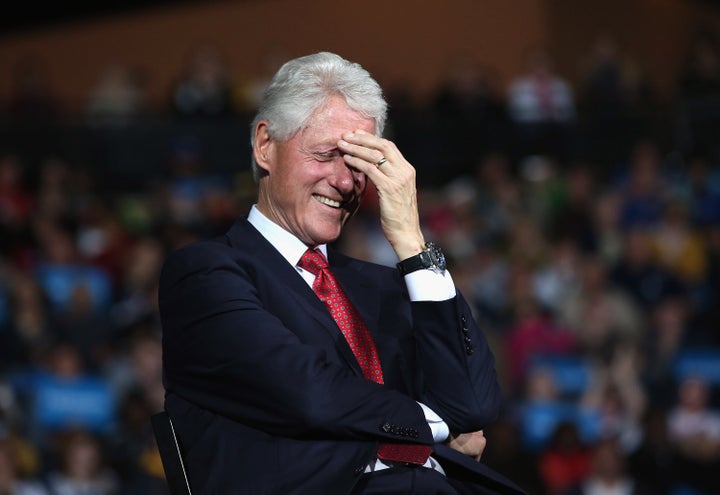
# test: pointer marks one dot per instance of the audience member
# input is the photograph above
(467, 108)
(204, 88)
(32, 101)
(640, 275)
(81, 467)
(608, 473)
(616, 393)
(565, 461)
(571, 215)
(644, 188)
(117, 98)
(700, 77)
(30, 331)
(602, 316)
(694, 430)
(655, 463)
(679, 247)
(541, 106)
(12, 481)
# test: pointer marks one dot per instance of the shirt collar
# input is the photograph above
(289, 246)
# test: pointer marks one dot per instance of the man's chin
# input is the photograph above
(326, 235)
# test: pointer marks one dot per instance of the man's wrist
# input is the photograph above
(430, 258)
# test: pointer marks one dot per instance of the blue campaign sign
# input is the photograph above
(86, 401)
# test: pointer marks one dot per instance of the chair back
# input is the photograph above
(170, 454)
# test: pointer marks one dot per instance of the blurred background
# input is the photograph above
(568, 162)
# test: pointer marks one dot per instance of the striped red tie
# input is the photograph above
(361, 343)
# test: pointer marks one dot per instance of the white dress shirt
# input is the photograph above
(422, 285)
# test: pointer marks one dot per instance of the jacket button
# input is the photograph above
(359, 470)
(469, 350)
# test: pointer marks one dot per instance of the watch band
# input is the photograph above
(431, 257)
(413, 263)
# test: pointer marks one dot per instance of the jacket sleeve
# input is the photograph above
(223, 351)
(459, 380)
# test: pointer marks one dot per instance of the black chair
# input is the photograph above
(170, 454)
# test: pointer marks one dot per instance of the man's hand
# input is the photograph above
(471, 444)
(394, 179)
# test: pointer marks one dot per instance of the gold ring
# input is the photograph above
(380, 161)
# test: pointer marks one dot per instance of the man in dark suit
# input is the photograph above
(269, 390)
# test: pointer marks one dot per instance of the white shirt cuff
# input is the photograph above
(439, 428)
(429, 285)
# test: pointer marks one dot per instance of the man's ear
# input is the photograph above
(262, 146)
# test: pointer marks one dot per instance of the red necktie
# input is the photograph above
(361, 343)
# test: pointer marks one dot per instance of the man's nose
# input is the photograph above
(342, 178)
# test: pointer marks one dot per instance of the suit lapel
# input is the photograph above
(244, 236)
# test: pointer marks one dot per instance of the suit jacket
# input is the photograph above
(265, 393)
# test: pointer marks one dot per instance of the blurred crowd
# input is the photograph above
(580, 216)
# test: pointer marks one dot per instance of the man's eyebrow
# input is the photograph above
(324, 149)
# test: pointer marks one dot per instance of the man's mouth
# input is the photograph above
(327, 201)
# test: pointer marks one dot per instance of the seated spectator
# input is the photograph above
(12, 480)
(533, 331)
(678, 246)
(546, 407)
(571, 214)
(487, 276)
(565, 461)
(694, 426)
(131, 447)
(541, 107)
(559, 277)
(60, 271)
(63, 395)
(668, 331)
(136, 298)
(467, 108)
(644, 188)
(30, 329)
(700, 78)
(117, 97)
(607, 81)
(601, 315)
(609, 237)
(613, 93)
(32, 101)
(694, 430)
(608, 473)
(204, 88)
(540, 95)
(617, 395)
(81, 467)
(638, 273)
(15, 199)
(709, 312)
(655, 462)
(507, 454)
(85, 328)
(499, 200)
(702, 192)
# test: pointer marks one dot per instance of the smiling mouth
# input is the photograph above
(327, 201)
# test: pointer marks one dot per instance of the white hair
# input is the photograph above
(304, 84)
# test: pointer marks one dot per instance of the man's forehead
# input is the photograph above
(336, 113)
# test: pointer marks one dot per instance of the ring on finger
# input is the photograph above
(380, 161)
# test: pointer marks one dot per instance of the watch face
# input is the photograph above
(437, 256)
